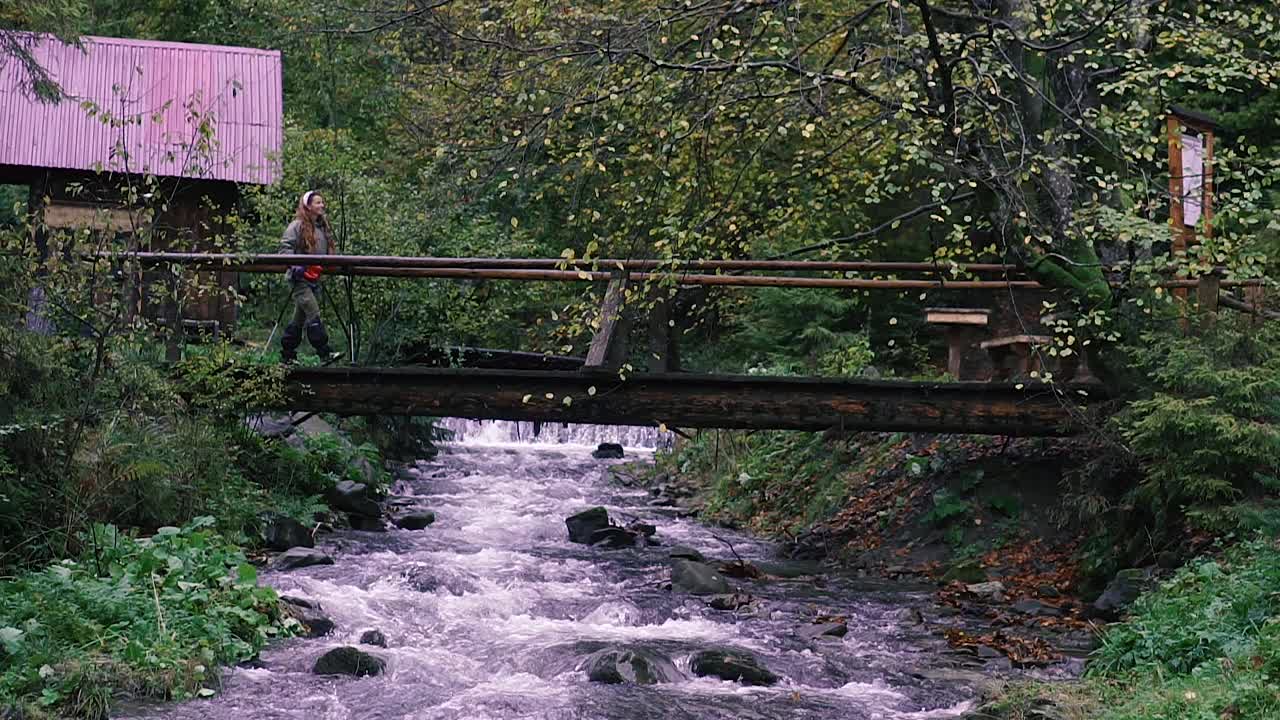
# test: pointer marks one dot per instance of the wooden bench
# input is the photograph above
(1013, 357)
(965, 326)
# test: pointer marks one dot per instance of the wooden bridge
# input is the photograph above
(528, 386)
(689, 400)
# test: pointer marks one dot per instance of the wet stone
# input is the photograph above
(310, 614)
(732, 601)
(348, 660)
(613, 538)
(583, 524)
(630, 665)
(373, 637)
(282, 532)
(685, 553)
(608, 451)
(353, 497)
(829, 631)
(367, 523)
(415, 520)
(697, 579)
(300, 557)
(643, 528)
(735, 665)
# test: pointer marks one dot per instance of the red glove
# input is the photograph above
(312, 273)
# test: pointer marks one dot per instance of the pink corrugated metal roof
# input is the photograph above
(161, 84)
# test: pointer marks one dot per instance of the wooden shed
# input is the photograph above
(139, 119)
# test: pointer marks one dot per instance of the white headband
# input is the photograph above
(306, 198)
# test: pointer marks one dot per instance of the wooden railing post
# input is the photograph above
(609, 345)
(1207, 288)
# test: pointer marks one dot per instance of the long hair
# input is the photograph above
(307, 222)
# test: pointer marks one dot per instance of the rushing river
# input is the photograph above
(489, 612)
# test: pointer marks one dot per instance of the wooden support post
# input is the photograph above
(1254, 295)
(664, 350)
(1207, 298)
(608, 346)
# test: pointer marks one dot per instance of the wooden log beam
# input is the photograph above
(691, 401)
(231, 260)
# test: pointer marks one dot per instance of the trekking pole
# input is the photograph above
(346, 328)
(279, 317)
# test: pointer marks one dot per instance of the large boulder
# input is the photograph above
(582, 525)
(630, 665)
(416, 520)
(608, 451)
(697, 578)
(1123, 589)
(347, 660)
(353, 497)
(736, 665)
(281, 532)
(309, 613)
(300, 557)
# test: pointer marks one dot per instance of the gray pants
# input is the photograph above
(306, 316)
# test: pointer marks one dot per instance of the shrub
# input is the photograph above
(149, 617)
(1207, 430)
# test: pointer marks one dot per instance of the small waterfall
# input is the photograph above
(486, 432)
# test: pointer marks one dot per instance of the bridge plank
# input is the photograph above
(691, 401)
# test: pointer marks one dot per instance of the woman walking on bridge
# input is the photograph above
(308, 234)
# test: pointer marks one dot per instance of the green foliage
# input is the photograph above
(1208, 430)
(947, 505)
(778, 482)
(152, 617)
(1210, 610)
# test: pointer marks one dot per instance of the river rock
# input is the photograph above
(630, 665)
(271, 426)
(282, 532)
(348, 660)
(367, 523)
(1036, 608)
(993, 590)
(697, 578)
(613, 538)
(373, 637)
(300, 557)
(682, 552)
(643, 528)
(309, 613)
(416, 520)
(732, 601)
(582, 525)
(353, 497)
(824, 630)
(736, 665)
(608, 451)
(1123, 589)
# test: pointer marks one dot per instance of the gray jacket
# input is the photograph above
(291, 241)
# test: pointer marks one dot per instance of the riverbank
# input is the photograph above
(1004, 531)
